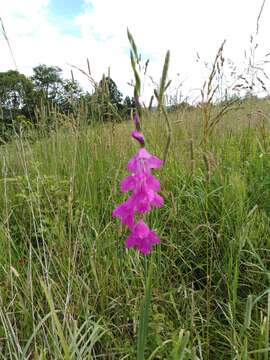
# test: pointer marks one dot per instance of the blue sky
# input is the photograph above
(66, 8)
(63, 12)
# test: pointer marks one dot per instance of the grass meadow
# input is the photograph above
(68, 287)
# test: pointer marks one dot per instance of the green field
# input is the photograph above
(68, 287)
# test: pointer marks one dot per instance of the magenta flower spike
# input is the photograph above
(144, 196)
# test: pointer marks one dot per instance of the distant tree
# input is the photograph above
(181, 106)
(47, 81)
(106, 101)
(115, 96)
(70, 94)
(26, 100)
(128, 106)
(128, 102)
(16, 95)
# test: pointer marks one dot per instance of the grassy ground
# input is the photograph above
(68, 287)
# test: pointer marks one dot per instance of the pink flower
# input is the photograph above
(144, 196)
(141, 201)
(143, 162)
(142, 238)
(145, 200)
(138, 136)
(125, 212)
(138, 180)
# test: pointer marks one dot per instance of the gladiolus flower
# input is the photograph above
(138, 136)
(143, 161)
(144, 187)
(142, 238)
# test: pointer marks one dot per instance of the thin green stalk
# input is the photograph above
(60, 331)
(169, 135)
(144, 312)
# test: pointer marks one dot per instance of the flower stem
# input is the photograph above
(144, 311)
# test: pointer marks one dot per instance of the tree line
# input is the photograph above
(22, 97)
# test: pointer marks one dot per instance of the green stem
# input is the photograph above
(169, 132)
(144, 312)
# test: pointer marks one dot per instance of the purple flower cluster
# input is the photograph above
(144, 187)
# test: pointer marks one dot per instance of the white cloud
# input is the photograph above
(184, 27)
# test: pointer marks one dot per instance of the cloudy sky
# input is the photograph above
(63, 32)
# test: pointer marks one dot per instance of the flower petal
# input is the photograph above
(154, 239)
(138, 136)
(157, 201)
(142, 238)
(131, 241)
(145, 248)
(142, 202)
(141, 229)
(125, 212)
(128, 183)
(152, 183)
(132, 165)
(154, 162)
